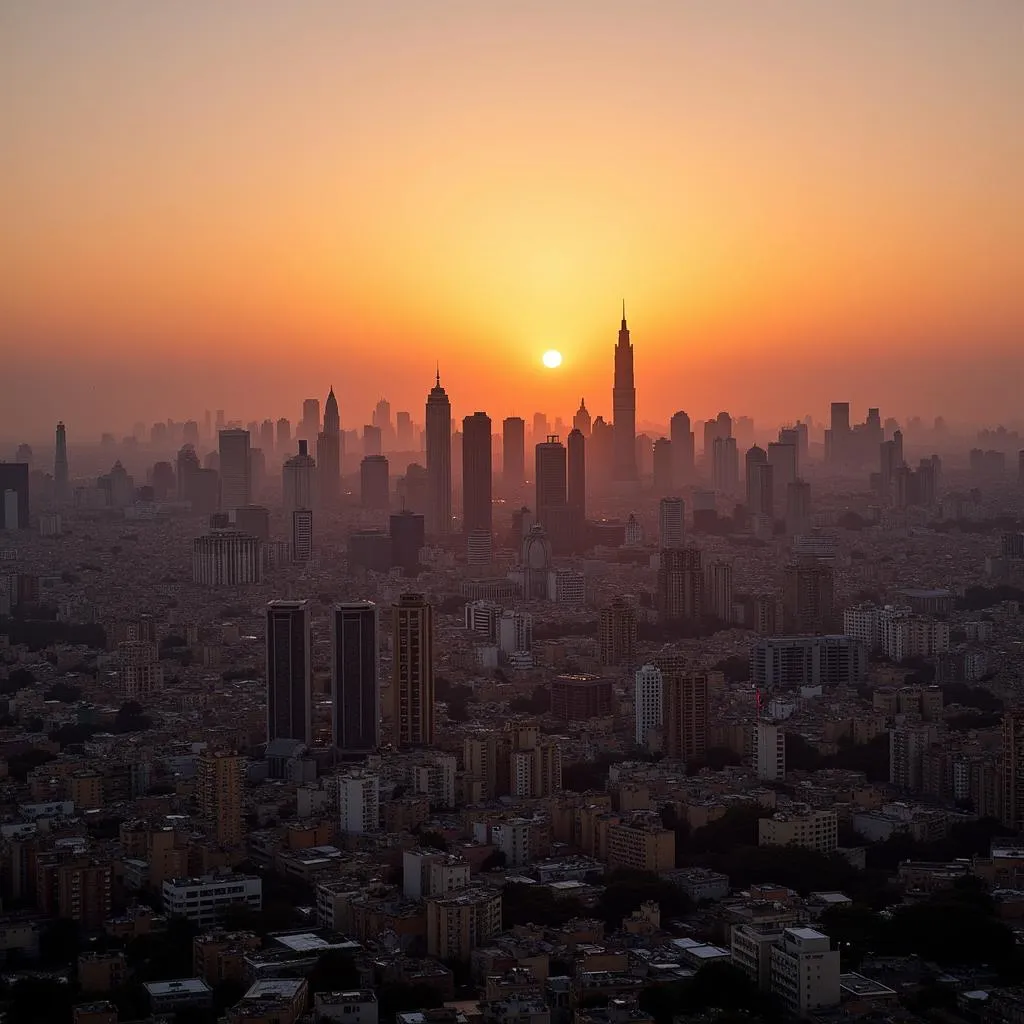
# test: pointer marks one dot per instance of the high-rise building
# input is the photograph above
(358, 802)
(139, 672)
(617, 633)
(551, 479)
(725, 465)
(439, 461)
(404, 439)
(513, 452)
(284, 434)
(298, 480)
(407, 533)
(220, 779)
(354, 677)
(680, 585)
(302, 535)
(1012, 770)
(374, 482)
(771, 751)
(226, 558)
(683, 458)
(254, 520)
(329, 454)
(382, 421)
(662, 466)
(647, 702)
(783, 460)
(412, 685)
(187, 468)
(760, 483)
(373, 440)
(540, 427)
(576, 477)
(671, 522)
(718, 592)
(13, 495)
(798, 508)
(61, 484)
(685, 714)
(309, 428)
(624, 407)
(579, 697)
(601, 453)
(235, 469)
(838, 436)
(476, 473)
(807, 597)
(289, 672)
(581, 421)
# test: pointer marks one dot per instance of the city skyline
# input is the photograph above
(786, 195)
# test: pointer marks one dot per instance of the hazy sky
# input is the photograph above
(236, 204)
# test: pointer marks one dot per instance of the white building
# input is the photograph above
(358, 1006)
(861, 623)
(805, 971)
(566, 586)
(671, 522)
(771, 751)
(203, 900)
(358, 802)
(515, 632)
(647, 702)
(512, 837)
(428, 872)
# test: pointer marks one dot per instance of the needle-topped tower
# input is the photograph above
(439, 460)
(624, 407)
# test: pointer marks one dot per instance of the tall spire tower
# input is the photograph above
(624, 407)
(439, 460)
(60, 465)
(328, 455)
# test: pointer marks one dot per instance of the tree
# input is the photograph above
(494, 861)
(522, 903)
(625, 891)
(435, 840)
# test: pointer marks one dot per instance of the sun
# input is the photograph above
(552, 358)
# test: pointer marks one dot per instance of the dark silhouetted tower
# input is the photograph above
(476, 473)
(235, 469)
(683, 459)
(664, 475)
(680, 584)
(439, 461)
(624, 407)
(807, 597)
(354, 674)
(289, 672)
(374, 482)
(407, 537)
(328, 455)
(412, 685)
(760, 483)
(581, 421)
(576, 477)
(13, 495)
(61, 487)
(513, 452)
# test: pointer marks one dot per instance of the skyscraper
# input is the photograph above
(671, 518)
(13, 495)
(302, 534)
(513, 452)
(581, 421)
(407, 532)
(412, 684)
(576, 477)
(782, 457)
(235, 469)
(725, 465)
(664, 472)
(718, 590)
(284, 434)
(685, 714)
(298, 480)
(551, 480)
(680, 585)
(404, 440)
(647, 702)
(617, 633)
(807, 597)
(309, 428)
(683, 457)
(374, 482)
(439, 461)
(220, 782)
(760, 483)
(798, 508)
(61, 488)
(476, 474)
(328, 455)
(289, 672)
(354, 674)
(382, 421)
(624, 407)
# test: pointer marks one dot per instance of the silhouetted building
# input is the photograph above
(302, 535)
(680, 585)
(576, 479)
(671, 522)
(354, 673)
(662, 466)
(617, 636)
(760, 483)
(783, 460)
(624, 407)
(581, 421)
(61, 485)
(439, 461)
(235, 469)
(412, 685)
(513, 452)
(579, 697)
(226, 558)
(683, 455)
(329, 455)
(284, 434)
(14, 495)
(798, 508)
(370, 549)
(298, 480)
(685, 714)
(254, 520)
(289, 672)
(551, 481)
(725, 465)
(407, 538)
(807, 597)
(374, 482)
(476, 474)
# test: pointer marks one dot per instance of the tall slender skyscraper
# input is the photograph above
(328, 455)
(439, 461)
(60, 465)
(309, 427)
(298, 480)
(355, 685)
(550, 477)
(412, 684)
(289, 672)
(476, 473)
(760, 483)
(235, 469)
(683, 459)
(576, 477)
(220, 785)
(624, 407)
(513, 451)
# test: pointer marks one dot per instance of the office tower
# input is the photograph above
(551, 480)
(760, 483)
(190, 432)
(373, 440)
(61, 487)
(671, 522)
(253, 520)
(139, 673)
(220, 781)
(483, 618)
(783, 460)
(617, 633)
(683, 459)
(540, 427)
(807, 597)
(412, 489)
(1012, 770)
(576, 477)
(267, 436)
(838, 436)
(406, 530)
(374, 482)
(644, 455)
(302, 534)
(404, 440)
(798, 508)
(355, 684)
(439, 461)
(725, 465)
(685, 714)
(309, 428)
(284, 434)
(13, 495)
(289, 672)
(220, 421)
(412, 684)
(162, 480)
(647, 702)
(624, 407)
(24, 454)
(476, 474)
(718, 590)
(888, 466)
(382, 421)
(680, 585)
(771, 751)
(581, 421)
(328, 455)
(840, 418)
(513, 452)
(662, 467)
(298, 480)
(235, 469)
(226, 558)
(601, 450)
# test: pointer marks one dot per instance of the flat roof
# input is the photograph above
(182, 986)
(861, 986)
(807, 933)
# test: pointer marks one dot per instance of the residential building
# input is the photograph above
(805, 971)
(459, 923)
(358, 802)
(647, 702)
(203, 900)
(771, 751)
(412, 685)
(793, 661)
(685, 714)
(802, 826)
(220, 778)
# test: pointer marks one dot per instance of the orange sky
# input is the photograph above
(237, 204)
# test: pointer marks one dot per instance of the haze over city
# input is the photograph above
(241, 205)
